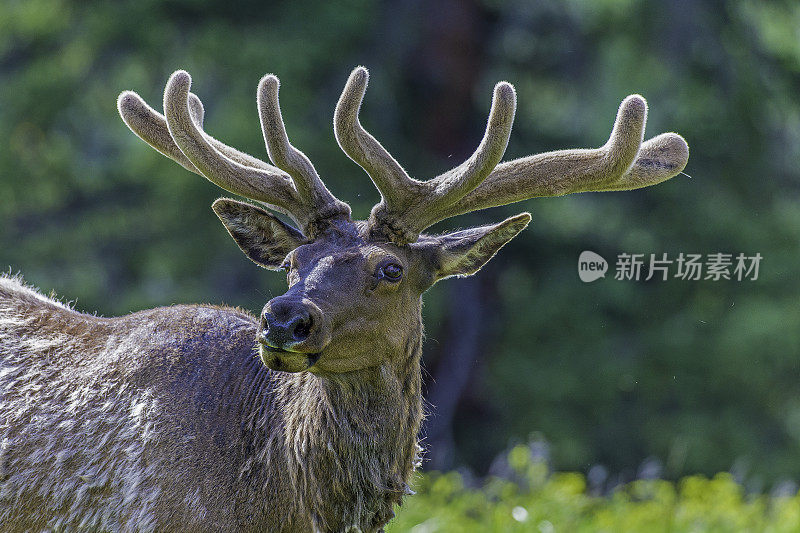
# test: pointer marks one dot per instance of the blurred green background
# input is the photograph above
(615, 379)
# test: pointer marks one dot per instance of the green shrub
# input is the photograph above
(551, 502)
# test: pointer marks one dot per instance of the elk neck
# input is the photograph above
(356, 430)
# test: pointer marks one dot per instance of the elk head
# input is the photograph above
(351, 281)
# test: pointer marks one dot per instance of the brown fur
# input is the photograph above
(167, 420)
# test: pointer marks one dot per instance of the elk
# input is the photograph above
(305, 418)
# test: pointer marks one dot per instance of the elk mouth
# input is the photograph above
(285, 360)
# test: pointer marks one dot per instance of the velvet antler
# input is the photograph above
(292, 186)
(408, 206)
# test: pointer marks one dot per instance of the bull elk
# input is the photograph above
(305, 418)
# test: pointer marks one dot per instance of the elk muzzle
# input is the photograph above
(292, 334)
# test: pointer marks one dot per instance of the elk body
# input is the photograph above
(202, 418)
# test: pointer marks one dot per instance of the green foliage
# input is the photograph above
(545, 503)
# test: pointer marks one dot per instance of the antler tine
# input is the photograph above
(456, 183)
(388, 176)
(196, 109)
(659, 159)
(430, 201)
(151, 126)
(288, 158)
(268, 185)
(622, 163)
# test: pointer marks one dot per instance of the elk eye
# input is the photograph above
(285, 266)
(392, 271)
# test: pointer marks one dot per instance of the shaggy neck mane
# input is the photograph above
(346, 444)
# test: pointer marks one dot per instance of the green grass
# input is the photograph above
(545, 502)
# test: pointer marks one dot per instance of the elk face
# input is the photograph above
(352, 301)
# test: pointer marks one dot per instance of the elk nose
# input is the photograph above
(285, 323)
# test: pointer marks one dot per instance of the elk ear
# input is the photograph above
(463, 253)
(261, 235)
